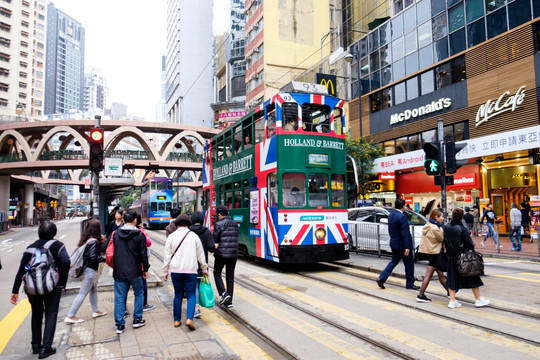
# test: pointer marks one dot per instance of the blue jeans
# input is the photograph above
(184, 283)
(491, 232)
(517, 231)
(408, 261)
(121, 287)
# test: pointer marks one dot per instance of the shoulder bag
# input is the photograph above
(441, 259)
(470, 263)
(109, 252)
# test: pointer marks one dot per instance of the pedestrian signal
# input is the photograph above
(433, 159)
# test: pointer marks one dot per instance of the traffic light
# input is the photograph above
(433, 160)
(451, 149)
(96, 149)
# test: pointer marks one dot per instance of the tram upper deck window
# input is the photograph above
(247, 136)
(338, 190)
(294, 190)
(316, 118)
(259, 127)
(338, 121)
(289, 113)
(219, 147)
(318, 190)
(271, 120)
(228, 143)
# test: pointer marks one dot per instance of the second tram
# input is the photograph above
(156, 202)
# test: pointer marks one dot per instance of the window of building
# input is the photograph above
(456, 18)
(398, 49)
(374, 61)
(519, 12)
(375, 80)
(440, 50)
(414, 142)
(386, 98)
(443, 76)
(386, 75)
(409, 19)
(385, 56)
(389, 147)
(410, 42)
(401, 145)
(429, 136)
(474, 9)
(459, 71)
(424, 34)
(423, 11)
(373, 41)
(437, 6)
(492, 5)
(364, 66)
(385, 34)
(412, 88)
(400, 93)
(496, 23)
(398, 69)
(425, 57)
(440, 28)
(375, 100)
(457, 42)
(476, 32)
(397, 26)
(427, 82)
(411, 64)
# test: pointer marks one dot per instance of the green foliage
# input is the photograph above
(129, 197)
(364, 153)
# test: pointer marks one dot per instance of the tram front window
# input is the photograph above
(318, 190)
(316, 118)
(294, 190)
(161, 206)
(153, 206)
(161, 185)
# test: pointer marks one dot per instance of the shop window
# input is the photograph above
(459, 71)
(385, 56)
(414, 142)
(429, 136)
(318, 190)
(294, 190)
(386, 98)
(424, 34)
(410, 42)
(460, 132)
(456, 18)
(423, 11)
(411, 64)
(492, 5)
(425, 56)
(375, 100)
(389, 147)
(519, 12)
(386, 75)
(400, 94)
(412, 88)
(476, 32)
(474, 9)
(442, 76)
(457, 42)
(398, 50)
(401, 145)
(398, 69)
(437, 6)
(338, 190)
(427, 82)
(397, 26)
(374, 61)
(448, 133)
(440, 50)
(409, 19)
(364, 83)
(440, 27)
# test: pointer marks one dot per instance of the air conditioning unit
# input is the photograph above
(255, 77)
(248, 57)
(255, 50)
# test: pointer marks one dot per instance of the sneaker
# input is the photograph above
(148, 307)
(483, 243)
(137, 323)
(513, 249)
(120, 329)
(499, 246)
(454, 304)
(422, 299)
(481, 303)
(197, 313)
(229, 305)
(224, 298)
(126, 314)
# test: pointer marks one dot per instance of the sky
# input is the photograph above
(126, 39)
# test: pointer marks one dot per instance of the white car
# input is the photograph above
(368, 227)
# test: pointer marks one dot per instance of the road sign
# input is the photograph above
(114, 167)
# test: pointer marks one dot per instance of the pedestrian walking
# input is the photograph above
(92, 239)
(44, 305)
(175, 212)
(207, 242)
(430, 246)
(476, 219)
(515, 227)
(489, 218)
(225, 255)
(401, 244)
(130, 268)
(468, 218)
(457, 240)
(525, 216)
(183, 250)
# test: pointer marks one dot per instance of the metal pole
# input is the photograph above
(359, 93)
(440, 135)
(95, 200)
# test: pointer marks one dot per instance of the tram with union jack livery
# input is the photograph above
(281, 172)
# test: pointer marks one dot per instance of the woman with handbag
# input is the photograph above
(430, 246)
(183, 250)
(92, 258)
(457, 240)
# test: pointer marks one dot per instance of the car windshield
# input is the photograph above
(412, 217)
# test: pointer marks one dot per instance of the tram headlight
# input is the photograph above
(320, 233)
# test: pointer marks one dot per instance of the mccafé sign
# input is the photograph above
(442, 103)
(502, 104)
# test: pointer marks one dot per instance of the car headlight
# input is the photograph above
(320, 233)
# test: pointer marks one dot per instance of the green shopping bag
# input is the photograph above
(206, 294)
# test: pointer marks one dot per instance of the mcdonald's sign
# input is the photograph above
(329, 81)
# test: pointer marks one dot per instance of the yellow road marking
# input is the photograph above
(383, 329)
(320, 336)
(481, 335)
(238, 342)
(531, 274)
(11, 322)
(517, 278)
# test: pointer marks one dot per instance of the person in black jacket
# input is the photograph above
(92, 239)
(130, 267)
(225, 254)
(457, 239)
(44, 304)
(207, 242)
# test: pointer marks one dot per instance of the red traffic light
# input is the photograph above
(96, 135)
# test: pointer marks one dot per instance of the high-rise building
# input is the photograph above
(22, 60)
(96, 92)
(189, 62)
(64, 82)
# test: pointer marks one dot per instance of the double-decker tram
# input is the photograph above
(156, 202)
(281, 172)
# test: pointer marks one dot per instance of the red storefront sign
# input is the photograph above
(419, 182)
(387, 176)
(408, 200)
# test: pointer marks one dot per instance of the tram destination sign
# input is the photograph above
(234, 167)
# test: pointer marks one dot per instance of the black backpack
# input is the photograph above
(41, 271)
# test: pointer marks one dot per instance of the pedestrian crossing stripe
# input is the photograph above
(11, 322)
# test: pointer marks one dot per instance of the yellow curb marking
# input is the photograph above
(11, 322)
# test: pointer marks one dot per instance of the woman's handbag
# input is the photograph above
(470, 263)
(109, 252)
(441, 260)
(206, 294)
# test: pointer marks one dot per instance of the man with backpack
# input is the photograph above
(49, 258)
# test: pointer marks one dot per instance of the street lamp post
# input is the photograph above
(349, 58)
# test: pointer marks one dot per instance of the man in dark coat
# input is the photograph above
(402, 246)
(225, 254)
(175, 212)
(44, 304)
(130, 268)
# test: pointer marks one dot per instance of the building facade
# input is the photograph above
(472, 64)
(22, 60)
(96, 92)
(189, 62)
(64, 79)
